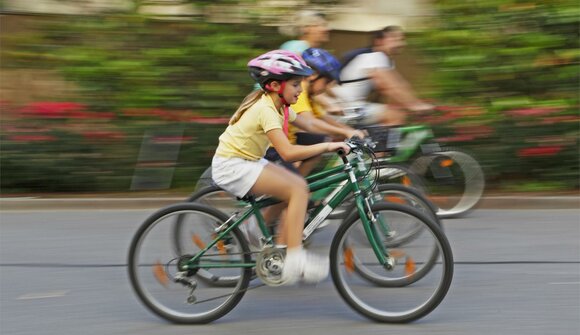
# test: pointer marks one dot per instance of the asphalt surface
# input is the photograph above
(62, 271)
(18, 203)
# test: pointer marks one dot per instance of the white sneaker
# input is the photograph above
(300, 265)
(315, 268)
(252, 233)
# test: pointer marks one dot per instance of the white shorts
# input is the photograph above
(236, 175)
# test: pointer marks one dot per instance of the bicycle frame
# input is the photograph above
(414, 138)
(324, 179)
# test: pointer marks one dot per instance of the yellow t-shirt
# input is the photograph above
(304, 104)
(247, 138)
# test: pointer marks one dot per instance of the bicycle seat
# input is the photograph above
(247, 198)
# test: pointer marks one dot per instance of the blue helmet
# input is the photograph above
(322, 62)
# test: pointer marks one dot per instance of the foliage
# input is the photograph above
(132, 62)
(65, 147)
(508, 68)
(518, 61)
(145, 76)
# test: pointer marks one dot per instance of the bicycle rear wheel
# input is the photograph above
(417, 282)
(454, 179)
(215, 197)
(170, 291)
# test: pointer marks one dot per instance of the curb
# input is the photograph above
(23, 204)
(515, 202)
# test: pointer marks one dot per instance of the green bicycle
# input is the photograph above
(450, 177)
(416, 272)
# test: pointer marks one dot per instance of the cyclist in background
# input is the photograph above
(312, 30)
(239, 168)
(368, 69)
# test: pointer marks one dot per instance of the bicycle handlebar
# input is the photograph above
(355, 143)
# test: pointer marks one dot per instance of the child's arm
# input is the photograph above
(292, 153)
(310, 123)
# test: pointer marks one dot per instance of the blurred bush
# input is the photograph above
(518, 63)
(506, 72)
(65, 147)
(135, 76)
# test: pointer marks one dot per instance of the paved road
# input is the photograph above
(63, 272)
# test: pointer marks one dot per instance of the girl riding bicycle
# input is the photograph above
(322, 127)
(239, 168)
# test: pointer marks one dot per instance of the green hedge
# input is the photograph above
(518, 62)
(507, 72)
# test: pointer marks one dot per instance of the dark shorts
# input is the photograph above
(273, 156)
(310, 138)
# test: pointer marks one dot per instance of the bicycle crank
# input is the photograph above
(269, 265)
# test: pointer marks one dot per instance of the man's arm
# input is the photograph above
(391, 84)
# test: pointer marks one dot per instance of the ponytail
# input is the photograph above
(248, 102)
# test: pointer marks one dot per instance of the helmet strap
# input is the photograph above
(280, 91)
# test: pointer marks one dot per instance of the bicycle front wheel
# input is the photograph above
(156, 268)
(419, 271)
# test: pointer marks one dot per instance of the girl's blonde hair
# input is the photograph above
(248, 102)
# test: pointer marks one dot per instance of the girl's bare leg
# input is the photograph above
(290, 188)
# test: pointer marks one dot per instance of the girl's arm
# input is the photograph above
(292, 153)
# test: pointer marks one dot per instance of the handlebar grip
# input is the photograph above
(340, 152)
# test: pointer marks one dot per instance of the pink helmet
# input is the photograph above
(277, 65)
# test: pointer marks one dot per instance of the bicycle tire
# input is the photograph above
(139, 275)
(198, 197)
(424, 206)
(462, 189)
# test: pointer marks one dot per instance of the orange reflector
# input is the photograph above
(395, 199)
(160, 275)
(446, 163)
(409, 266)
(221, 247)
(396, 253)
(197, 241)
(406, 181)
(348, 260)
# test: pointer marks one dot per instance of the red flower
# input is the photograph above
(534, 111)
(52, 110)
(209, 120)
(477, 131)
(558, 119)
(539, 151)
